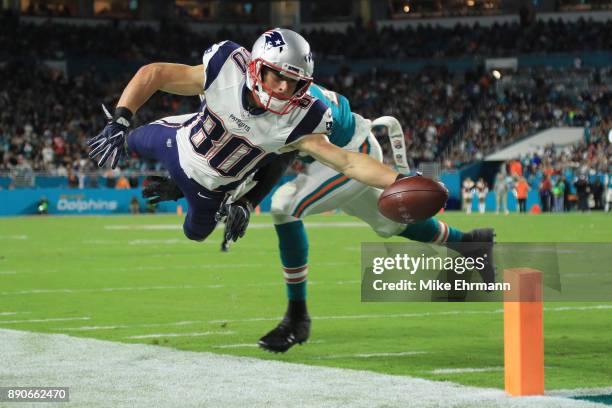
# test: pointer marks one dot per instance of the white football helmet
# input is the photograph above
(288, 53)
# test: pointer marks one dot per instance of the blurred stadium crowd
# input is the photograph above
(53, 139)
(176, 42)
(46, 117)
(565, 178)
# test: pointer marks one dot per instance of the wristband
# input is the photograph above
(246, 202)
(123, 112)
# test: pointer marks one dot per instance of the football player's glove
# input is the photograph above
(237, 216)
(158, 189)
(110, 143)
(402, 176)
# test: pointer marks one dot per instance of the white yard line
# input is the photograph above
(8, 272)
(124, 289)
(175, 267)
(465, 370)
(240, 345)
(424, 314)
(14, 237)
(254, 345)
(141, 288)
(173, 227)
(372, 355)
(571, 308)
(198, 334)
(140, 375)
(338, 317)
(173, 241)
(131, 326)
(58, 319)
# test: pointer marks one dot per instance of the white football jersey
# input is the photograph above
(225, 142)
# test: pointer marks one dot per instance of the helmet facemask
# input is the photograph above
(266, 97)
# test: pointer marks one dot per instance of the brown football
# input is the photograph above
(412, 199)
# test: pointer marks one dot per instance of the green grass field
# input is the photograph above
(137, 279)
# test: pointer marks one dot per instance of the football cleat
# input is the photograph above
(289, 332)
(225, 245)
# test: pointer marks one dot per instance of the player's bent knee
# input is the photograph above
(282, 198)
(384, 234)
(195, 235)
(389, 230)
(279, 219)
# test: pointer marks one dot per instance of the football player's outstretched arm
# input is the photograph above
(173, 78)
(177, 79)
(358, 166)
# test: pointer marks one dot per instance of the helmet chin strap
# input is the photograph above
(254, 98)
(266, 98)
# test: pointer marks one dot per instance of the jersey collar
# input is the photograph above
(255, 111)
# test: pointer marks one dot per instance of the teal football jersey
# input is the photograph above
(343, 126)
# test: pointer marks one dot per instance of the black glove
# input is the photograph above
(110, 143)
(237, 216)
(158, 189)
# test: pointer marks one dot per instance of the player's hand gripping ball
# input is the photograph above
(412, 199)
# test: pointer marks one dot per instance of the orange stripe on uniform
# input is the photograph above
(319, 194)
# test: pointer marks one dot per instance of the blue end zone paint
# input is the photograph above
(600, 399)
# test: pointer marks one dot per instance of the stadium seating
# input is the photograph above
(175, 42)
(450, 117)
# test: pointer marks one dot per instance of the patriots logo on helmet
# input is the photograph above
(274, 39)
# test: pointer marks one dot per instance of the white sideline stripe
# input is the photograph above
(341, 317)
(8, 272)
(566, 308)
(144, 241)
(220, 266)
(8, 313)
(372, 355)
(242, 345)
(58, 319)
(175, 267)
(134, 288)
(141, 375)
(425, 314)
(172, 241)
(163, 227)
(254, 345)
(125, 326)
(465, 370)
(198, 334)
(139, 288)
